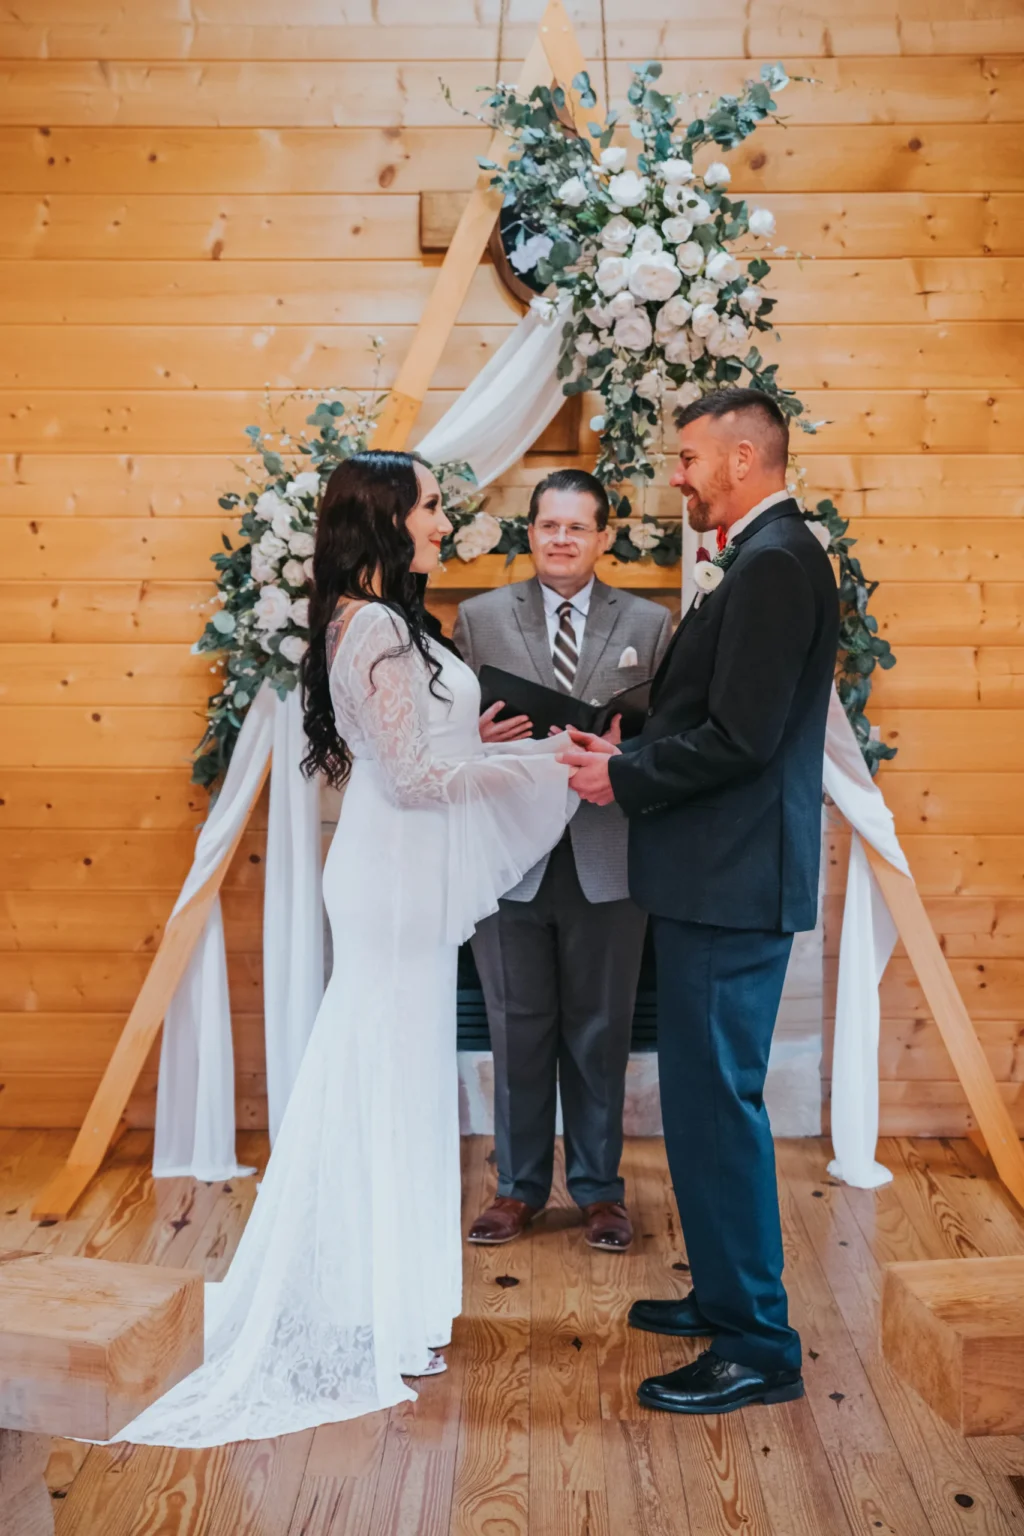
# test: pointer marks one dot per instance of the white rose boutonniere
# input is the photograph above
(707, 576)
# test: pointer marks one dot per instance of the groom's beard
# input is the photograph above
(701, 514)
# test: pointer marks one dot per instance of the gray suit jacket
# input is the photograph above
(507, 628)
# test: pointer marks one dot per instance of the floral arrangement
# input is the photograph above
(662, 302)
(259, 630)
(658, 272)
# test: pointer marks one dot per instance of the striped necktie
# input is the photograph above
(565, 656)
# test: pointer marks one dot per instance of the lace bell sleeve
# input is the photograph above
(504, 810)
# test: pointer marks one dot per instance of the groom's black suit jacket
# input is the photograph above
(723, 786)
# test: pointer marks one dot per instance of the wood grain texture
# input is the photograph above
(190, 207)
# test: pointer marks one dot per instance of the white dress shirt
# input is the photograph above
(580, 608)
(762, 506)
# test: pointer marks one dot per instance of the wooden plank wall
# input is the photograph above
(196, 202)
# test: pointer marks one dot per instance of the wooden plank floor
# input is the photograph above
(535, 1429)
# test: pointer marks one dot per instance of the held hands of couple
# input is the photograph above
(589, 762)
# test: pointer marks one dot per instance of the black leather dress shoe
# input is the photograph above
(713, 1385)
(681, 1319)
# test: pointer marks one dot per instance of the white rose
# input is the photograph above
(703, 292)
(707, 576)
(634, 331)
(628, 189)
(736, 328)
(272, 609)
(718, 341)
(653, 276)
(723, 268)
(697, 209)
(663, 326)
(597, 423)
(301, 544)
(762, 222)
(292, 648)
(598, 316)
(676, 229)
(613, 158)
(299, 612)
(526, 256)
(271, 547)
(622, 304)
(270, 505)
(687, 393)
(612, 275)
(674, 172)
(263, 570)
(617, 234)
(545, 309)
(645, 535)
(750, 300)
(690, 257)
(572, 192)
(647, 240)
(293, 573)
(650, 386)
(677, 349)
(717, 175)
(819, 530)
(307, 569)
(478, 537)
(676, 312)
(705, 318)
(587, 344)
(306, 484)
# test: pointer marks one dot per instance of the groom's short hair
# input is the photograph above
(771, 427)
(572, 480)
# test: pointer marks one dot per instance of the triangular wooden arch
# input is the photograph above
(554, 56)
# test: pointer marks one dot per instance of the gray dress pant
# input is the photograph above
(559, 976)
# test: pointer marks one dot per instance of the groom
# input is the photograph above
(723, 795)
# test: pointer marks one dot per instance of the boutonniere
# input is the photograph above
(708, 573)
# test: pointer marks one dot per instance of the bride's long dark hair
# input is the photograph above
(363, 550)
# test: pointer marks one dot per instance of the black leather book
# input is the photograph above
(547, 707)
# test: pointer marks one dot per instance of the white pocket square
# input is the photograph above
(629, 658)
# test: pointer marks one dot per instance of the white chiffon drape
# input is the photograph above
(349, 1270)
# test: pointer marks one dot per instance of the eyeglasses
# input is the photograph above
(548, 533)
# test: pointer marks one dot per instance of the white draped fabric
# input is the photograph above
(491, 425)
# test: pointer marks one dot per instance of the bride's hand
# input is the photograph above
(608, 745)
(491, 730)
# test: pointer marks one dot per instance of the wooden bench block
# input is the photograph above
(954, 1329)
(85, 1345)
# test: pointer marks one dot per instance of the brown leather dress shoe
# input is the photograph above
(608, 1226)
(502, 1221)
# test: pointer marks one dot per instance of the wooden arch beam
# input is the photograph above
(554, 56)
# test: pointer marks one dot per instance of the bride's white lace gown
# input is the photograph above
(349, 1270)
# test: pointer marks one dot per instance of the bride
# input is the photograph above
(348, 1274)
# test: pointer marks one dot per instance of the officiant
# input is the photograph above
(559, 961)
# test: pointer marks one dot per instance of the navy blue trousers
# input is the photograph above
(718, 995)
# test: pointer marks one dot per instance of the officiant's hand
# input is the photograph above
(608, 744)
(589, 777)
(516, 729)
